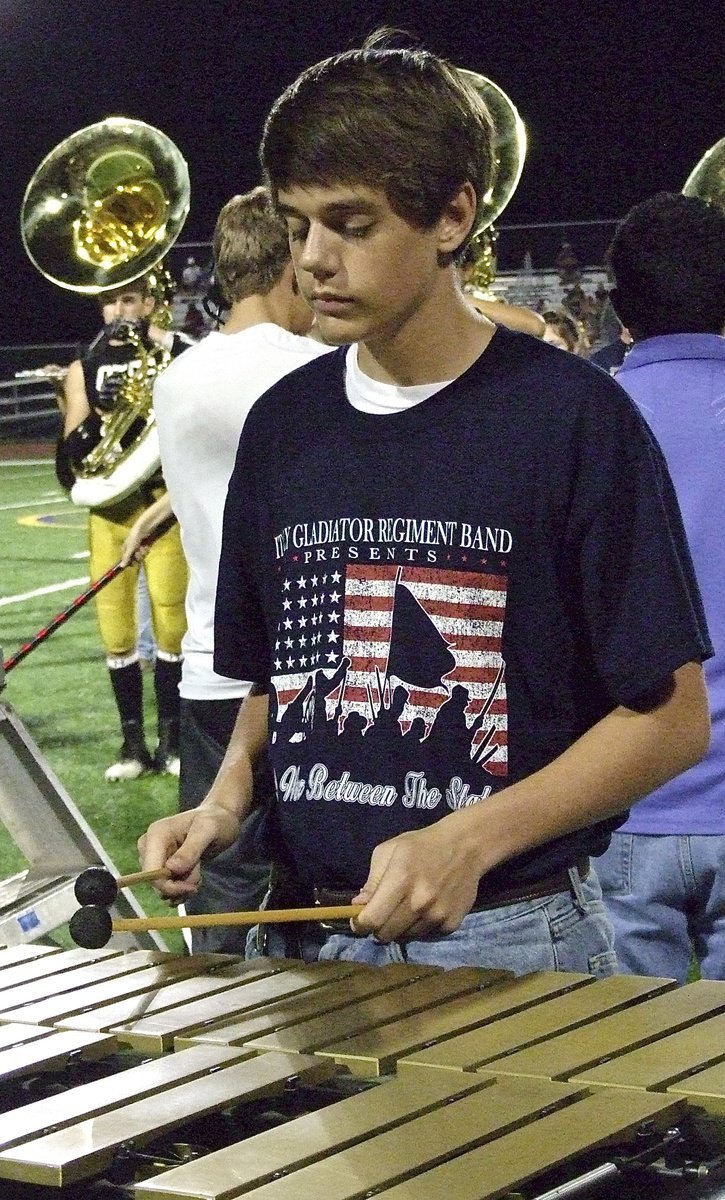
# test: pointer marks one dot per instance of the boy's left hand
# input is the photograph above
(420, 883)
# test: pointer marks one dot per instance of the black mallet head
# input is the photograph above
(91, 926)
(96, 885)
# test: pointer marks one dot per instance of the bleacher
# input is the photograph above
(542, 289)
(27, 408)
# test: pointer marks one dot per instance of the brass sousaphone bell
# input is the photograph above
(509, 150)
(707, 178)
(102, 210)
(105, 206)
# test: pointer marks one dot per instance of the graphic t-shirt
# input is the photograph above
(443, 599)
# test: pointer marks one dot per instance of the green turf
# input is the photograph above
(61, 690)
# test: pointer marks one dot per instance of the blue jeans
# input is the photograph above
(568, 931)
(666, 899)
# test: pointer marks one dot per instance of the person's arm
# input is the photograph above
(427, 880)
(77, 407)
(149, 520)
(179, 841)
(514, 316)
(74, 410)
(170, 340)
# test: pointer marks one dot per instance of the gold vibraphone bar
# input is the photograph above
(151, 1076)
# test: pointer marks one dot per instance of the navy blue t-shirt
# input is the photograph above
(443, 599)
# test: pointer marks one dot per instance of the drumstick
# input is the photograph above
(92, 925)
(96, 885)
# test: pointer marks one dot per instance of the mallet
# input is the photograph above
(92, 925)
(96, 885)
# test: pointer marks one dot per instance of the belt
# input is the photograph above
(548, 885)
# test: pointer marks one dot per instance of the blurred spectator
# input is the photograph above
(194, 323)
(191, 274)
(583, 309)
(514, 316)
(561, 330)
(576, 301)
(611, 356)
(567, 264)
(609, 323)
(612, 340)
(601, 295)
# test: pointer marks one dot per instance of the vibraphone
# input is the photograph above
(147, 1075)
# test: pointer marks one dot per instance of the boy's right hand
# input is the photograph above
(179, 842)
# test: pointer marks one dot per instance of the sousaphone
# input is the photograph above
(102, 210)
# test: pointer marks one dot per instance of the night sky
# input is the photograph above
(619, 100)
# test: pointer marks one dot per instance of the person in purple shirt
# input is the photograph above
(663, 875)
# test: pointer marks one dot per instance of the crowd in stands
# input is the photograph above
(583, 321)
(577, 306)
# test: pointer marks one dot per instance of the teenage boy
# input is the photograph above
(91, 387)
(452, 565)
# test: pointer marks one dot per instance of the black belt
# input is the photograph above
(548, 885)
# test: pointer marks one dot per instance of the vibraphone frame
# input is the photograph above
(54, 839)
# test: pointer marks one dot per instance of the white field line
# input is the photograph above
(47, 498)
(32, 475)
(26, 462)
(44, 591)
(34, 503)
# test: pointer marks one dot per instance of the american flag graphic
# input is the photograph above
(382, 626)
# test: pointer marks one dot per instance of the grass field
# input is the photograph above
(61, 690)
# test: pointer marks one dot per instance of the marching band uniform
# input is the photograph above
(104, 368)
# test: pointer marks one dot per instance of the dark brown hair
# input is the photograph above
(402, 120)
(565, 326)
(138, 287)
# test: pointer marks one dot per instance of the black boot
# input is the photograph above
(166, 755)
(134, 759)
(167, 674)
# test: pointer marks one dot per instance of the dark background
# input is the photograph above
(619, 100)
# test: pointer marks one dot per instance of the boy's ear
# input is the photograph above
(456, 220)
